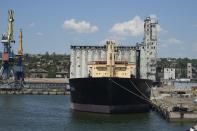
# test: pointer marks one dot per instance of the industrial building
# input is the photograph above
(82, 55)
(169, 73)
(189, 70)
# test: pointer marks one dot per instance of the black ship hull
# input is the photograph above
(110, 95)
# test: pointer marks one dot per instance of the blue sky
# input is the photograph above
(54, 25)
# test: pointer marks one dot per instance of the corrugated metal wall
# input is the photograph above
(82, 55)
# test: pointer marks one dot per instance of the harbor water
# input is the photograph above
(52, 113)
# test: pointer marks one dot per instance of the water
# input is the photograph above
(52, 113)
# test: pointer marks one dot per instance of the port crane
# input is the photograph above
(11, 73)
(18, 70)
(6, 71)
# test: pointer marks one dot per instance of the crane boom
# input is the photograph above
(20, 49)
(10, 36)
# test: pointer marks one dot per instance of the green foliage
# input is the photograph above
(51, 63)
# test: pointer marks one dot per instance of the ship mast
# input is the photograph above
(110, 58)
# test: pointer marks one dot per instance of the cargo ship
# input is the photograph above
(112, 86)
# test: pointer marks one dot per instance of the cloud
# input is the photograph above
(174, 41)
(79, 26)
(32, 24)
(39, 34)
(133, 27)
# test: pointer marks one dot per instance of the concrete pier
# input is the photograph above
(167, 113)
(34, 91)
(175, 105)
(38, 86)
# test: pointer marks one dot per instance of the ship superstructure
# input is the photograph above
(111, 68)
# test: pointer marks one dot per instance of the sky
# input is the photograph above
(52, 26)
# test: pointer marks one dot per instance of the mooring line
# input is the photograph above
(130, 91)
(138, 89)
(152, 92)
